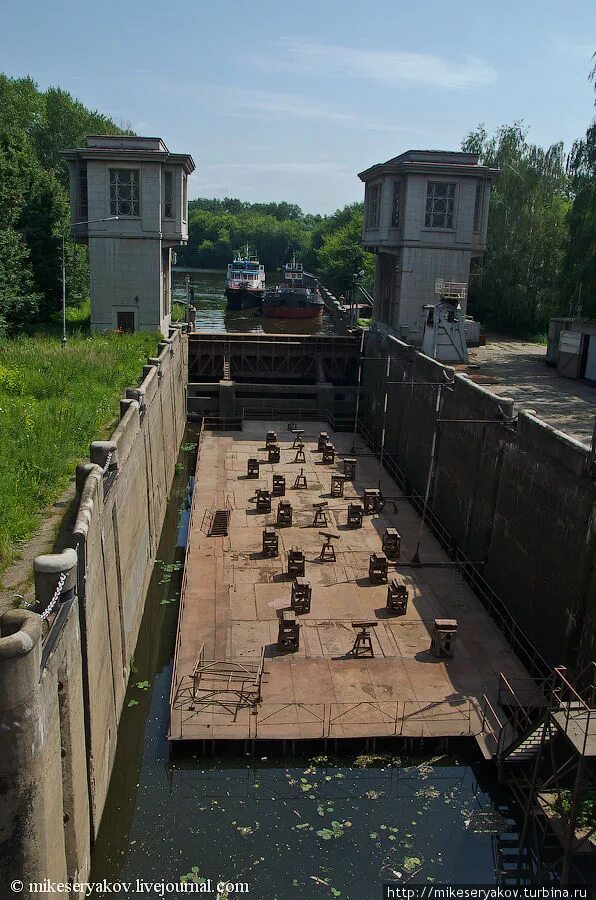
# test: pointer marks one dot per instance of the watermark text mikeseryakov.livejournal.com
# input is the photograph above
(128, 888)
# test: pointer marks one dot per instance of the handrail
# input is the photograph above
(576, 710)
(557, 673)
(488, 704)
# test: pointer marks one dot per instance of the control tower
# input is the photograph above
(425, 218)
(130, 196)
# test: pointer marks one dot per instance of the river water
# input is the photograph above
(299, 826)
(213, 315)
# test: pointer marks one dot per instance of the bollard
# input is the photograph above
(137, 394)
(47, 570)
(104, 455)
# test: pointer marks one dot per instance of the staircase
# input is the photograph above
(529, 745)
(219, 523)
(514, 864)
(529, 718)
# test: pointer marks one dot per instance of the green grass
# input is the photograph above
(178, 311)
(53, 402)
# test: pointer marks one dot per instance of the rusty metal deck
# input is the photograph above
(232, 595)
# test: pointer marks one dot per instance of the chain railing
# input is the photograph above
(107, 463)
(55, 597)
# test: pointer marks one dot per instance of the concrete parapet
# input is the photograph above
(81, 473)
(150, 384)
(60, 704)
(510, 493)
(22, 751)
(559, 447)
(20, 656)
(90, 495)
(492, 404)
(127, 430)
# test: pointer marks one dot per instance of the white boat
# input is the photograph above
(245, 281)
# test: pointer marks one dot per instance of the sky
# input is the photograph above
(289, 101)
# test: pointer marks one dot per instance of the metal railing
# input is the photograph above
(216, 720)
(490, 723)
(571, 712)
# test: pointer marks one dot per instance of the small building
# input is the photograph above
(130, 196)
(572, 347)
(425, 217)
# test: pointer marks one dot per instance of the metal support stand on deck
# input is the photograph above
(363, 641)
(320, 517)
(327, 553)
(300, 481)
(300, 457)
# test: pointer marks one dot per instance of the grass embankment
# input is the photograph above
(53, 402)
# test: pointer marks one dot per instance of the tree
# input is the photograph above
(38, 210)
(579, 278)
(341, 254)
(517, 284)
(34, 207)
(18, 298)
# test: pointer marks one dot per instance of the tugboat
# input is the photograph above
(245, 281)
(297, 297)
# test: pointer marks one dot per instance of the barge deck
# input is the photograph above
(230, 681)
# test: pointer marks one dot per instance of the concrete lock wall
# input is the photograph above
(517, 498)
(63, 681)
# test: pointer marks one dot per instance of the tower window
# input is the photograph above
(396, 204)
(373, 205)
(168, 195)
(440, 204)
(478, 203)
(83, 205)
(124, 192)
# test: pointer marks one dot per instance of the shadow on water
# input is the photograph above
(213, 314)
(286, 825)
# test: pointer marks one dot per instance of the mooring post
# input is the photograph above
(55, 579)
